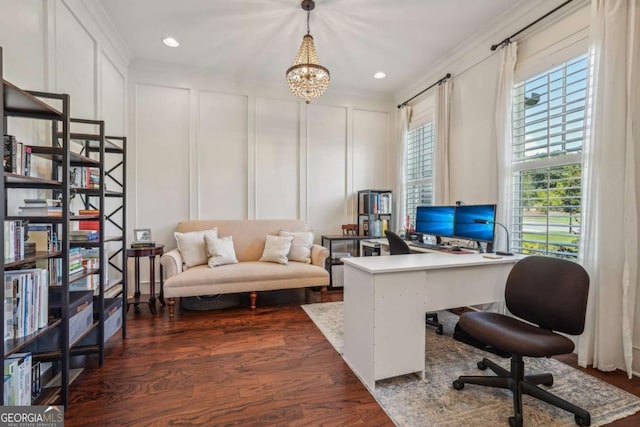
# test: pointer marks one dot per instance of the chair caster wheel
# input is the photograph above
(583, 421)
(548, 384)
(482, 366)
(515, 421)
(458, 385)
(439, 331)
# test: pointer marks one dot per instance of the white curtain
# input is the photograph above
(441, 144)
(404, 118)
(609, 248)
(504, 143)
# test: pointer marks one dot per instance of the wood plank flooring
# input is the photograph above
(234, 367)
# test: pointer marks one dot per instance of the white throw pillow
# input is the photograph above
(276, 249)
(300, 246)
(221, 251)
(191, 246)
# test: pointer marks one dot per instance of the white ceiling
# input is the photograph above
(258, 39)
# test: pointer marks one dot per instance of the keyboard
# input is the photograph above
(428, 246)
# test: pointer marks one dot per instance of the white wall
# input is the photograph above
(63, 46)
(209, 148)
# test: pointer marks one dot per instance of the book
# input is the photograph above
(9, 159)
(24, 360)
(143, 244)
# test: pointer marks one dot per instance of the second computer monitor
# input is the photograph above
(475, 222)
(435, 220)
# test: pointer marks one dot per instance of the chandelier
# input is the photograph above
(306, 78)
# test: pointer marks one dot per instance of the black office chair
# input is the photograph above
(550, 294)
(397, 246)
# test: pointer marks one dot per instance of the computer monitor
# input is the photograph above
(475, 222)
(435, 220)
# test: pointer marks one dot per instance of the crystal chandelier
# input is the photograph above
(306, 78)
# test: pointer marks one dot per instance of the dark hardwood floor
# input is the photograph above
(234, 367)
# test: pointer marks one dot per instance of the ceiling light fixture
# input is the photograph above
(170, 41)
(306, 78)
(379, 75)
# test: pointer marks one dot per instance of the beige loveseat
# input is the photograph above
(249, 274)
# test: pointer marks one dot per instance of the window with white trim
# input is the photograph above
(419, 170)
(549, 117)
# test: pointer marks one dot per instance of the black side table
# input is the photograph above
(152, 252)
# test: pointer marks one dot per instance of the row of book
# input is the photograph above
(26, 301)
(22, 238)
(84, 177)
(17, 156)
(380, 203)
(18, 379)
(14, 239)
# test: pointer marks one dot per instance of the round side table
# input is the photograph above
(152, 252)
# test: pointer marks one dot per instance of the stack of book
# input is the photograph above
(83, 235)
(143, 244)
(75, 260)
(41, 207)
(90, 224)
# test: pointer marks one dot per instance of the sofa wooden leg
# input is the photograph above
(171, 302)
(323, 294)
(253, 296)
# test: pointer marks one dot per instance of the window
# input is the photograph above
(549, 116)
(419, 168)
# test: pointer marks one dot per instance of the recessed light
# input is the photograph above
(379, 75)
(170, 41)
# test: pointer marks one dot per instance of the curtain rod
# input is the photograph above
(508, 39)
(418, 94)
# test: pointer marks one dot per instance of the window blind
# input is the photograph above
(548, 132)
(419, 168)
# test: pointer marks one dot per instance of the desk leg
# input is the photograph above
(152, 284)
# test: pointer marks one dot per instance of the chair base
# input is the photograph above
(432, 320)
(520, 384)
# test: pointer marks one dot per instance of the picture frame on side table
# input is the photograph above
(142, 237)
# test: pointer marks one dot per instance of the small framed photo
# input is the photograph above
(142, 235)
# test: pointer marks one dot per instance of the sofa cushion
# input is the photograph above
(244, 277)
(300, 246)
(191, 246)
(248, 235)
(276, 249)
(220, 251)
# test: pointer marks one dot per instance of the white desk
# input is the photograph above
(386, 298)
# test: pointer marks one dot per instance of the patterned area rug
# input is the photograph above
(410, 401)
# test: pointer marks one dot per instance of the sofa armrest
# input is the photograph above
(171, 263)
(319, 255)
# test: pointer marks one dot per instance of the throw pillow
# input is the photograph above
(300, 246)
(191, 246)
(221, 251)
(276, 249)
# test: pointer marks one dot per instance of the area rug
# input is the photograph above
(411, 401)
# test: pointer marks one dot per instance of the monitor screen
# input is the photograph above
(475, 222)
(435, 220)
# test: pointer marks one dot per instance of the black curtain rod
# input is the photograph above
(417, 95)
(508, 39)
